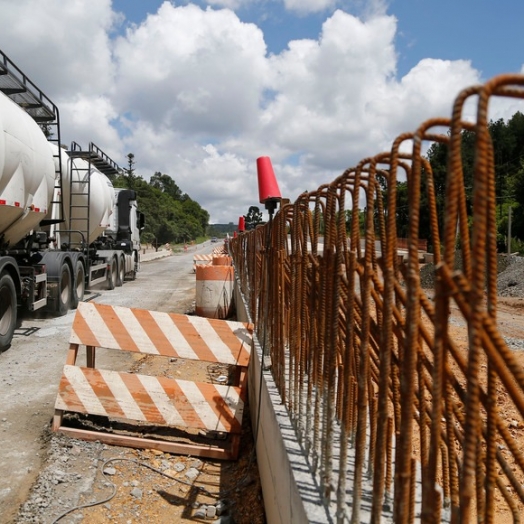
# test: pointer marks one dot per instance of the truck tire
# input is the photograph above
(112, 275)
(64, 290)
(7, 310)
(121, 271)
(80, 284)
(134, 262)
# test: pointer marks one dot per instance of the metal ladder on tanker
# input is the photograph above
(95, 158)
(78, 211)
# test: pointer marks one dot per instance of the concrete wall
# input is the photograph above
(291, 494)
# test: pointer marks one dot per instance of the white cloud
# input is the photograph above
(302, 7)
(197, 71)
(63, 44)
(339, 101)
(193, 93)
(224, 183)
(91, 119)
(230, 4)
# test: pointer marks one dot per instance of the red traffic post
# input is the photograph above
(241, 224)
(268, 190)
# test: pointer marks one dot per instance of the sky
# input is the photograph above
(199, 90)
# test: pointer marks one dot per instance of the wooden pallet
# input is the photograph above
(155, 400)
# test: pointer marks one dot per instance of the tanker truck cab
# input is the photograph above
(123, 235)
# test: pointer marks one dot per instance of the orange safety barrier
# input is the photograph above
(155, 400)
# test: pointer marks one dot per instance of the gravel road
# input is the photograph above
(30, 370)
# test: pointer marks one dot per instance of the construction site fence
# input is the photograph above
(382, 388)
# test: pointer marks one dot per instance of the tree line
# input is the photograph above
(508, 149)
(171, 215)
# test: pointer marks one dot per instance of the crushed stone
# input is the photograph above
(510, 279)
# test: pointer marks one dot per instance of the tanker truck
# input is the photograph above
(64, 228)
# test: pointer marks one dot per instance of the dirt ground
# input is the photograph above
(510, 320)
(92, 482)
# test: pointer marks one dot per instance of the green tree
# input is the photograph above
(253, 218)
(193, 209)
(508, 153)
(47, 130)
(168, 218)
(130, 171)
(166, 184)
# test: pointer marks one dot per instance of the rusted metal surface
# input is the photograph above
(365, 358)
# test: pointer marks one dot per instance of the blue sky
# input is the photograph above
(486, 32)
(278, 24)
(199, 89)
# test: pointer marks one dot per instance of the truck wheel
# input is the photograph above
(112, 276)
(134, 262)
(80, 284)
(121, 271)
(7, 310)
(64, 291)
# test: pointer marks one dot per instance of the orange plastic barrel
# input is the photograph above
(222, 260)
(214, 291)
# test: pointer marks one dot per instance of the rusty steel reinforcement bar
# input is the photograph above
(365, 359)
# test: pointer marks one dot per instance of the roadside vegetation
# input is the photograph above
(172, 216)
(508, 149)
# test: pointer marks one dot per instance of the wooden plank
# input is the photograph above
(155, 400)
(228, 452)
(72, 354)
(157, 333)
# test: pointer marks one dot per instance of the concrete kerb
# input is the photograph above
(154, 255)
(291, 494)
(163, 252)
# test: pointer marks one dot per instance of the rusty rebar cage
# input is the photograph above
(364, 357)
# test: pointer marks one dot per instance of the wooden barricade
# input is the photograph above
(155, 401)
(204, 260)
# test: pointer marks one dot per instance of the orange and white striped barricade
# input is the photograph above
(159, 403)
(201, 260)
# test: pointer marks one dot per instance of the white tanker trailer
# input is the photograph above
(63, 227)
